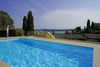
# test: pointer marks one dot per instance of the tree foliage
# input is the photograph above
(77, 30)
(25, 23)
(97, 26)
(12, 32)
(88, 24)
(88, 29)
(92, 25)
(5, 20)
(30, 25)
(93, 28)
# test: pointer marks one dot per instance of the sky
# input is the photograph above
(53, 14)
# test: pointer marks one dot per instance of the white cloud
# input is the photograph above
(69, 18)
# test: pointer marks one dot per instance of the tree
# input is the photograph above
(77, 30)
(5, 20)
(88, 29)
(97, 26)
(88, 24)
(30, 25)
(92, 25)
(25, 24)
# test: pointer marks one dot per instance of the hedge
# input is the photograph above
(12, 32)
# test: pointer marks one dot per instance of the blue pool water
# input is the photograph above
(33, 53)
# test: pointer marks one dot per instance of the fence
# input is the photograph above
(78, 36)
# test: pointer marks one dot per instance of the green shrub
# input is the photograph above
(2, 33)
(12, 32)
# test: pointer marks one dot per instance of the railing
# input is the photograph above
(54, 31)
(79, 36)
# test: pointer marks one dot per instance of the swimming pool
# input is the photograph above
(33, 53)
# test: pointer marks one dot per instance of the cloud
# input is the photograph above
(69, 18)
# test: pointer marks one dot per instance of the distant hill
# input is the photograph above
(5, 20)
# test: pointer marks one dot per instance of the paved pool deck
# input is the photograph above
(2, 64)
(94, 45)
